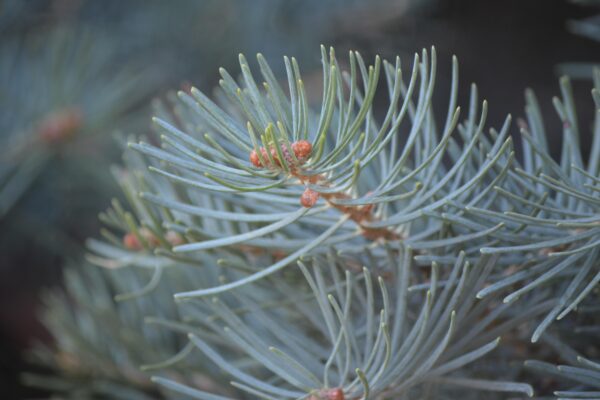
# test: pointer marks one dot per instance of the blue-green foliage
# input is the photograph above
(398, 300)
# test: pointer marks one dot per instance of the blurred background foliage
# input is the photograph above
(73, 73)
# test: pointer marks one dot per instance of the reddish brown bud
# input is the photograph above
(335, 394)
(309, 198)
(302, 149)
(60, 126)
(328, 394)
(131, 242)
(254, 159)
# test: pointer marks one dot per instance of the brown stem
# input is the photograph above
(302, 150)
(359, 214)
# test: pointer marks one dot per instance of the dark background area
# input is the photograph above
(503, 46)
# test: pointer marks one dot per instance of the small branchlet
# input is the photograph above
(302, 151)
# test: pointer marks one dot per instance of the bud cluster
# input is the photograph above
(302, 150)
(132, 242)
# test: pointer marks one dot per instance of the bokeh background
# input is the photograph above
(78, 76)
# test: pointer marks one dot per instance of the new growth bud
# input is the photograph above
(309, 198)
(131, 242)
(254, 159)
(59, 126)
(328, 394)
(302, 149)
